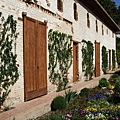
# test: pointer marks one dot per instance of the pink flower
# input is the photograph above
(69, 115)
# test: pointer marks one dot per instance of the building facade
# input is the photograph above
(82, 19)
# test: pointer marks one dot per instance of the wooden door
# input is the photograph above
(109, 59)
(75, 61)
(97, 59)
(35, 68)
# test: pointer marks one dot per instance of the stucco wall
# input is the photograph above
(57, 21)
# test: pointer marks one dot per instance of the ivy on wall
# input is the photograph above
(60, 58)
(113, 59)
(87, 59)
(8, 69)
(104, 60)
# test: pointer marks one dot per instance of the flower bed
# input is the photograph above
(99, 103)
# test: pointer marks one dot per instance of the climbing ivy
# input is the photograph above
(87, 58)
(113, 59)
(8, 69)
(104, 59)
(60, 58)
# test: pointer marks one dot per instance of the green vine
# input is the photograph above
(8, 69)
(87, 58)
(60, 58)
(113, 59)
(104, 60)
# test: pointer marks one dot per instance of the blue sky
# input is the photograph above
(117, 2)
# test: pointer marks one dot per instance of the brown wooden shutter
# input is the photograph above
(109, 59)
(97, 59)
(60, 5)
(35, 68)
(75, 61)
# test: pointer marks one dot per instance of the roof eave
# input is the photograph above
(101, 13)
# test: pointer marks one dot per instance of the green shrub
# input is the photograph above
(113, 78)
(77, 118)
(114, 99)
(54, 117)
(103, 82)
(117, 86)
(58, 103)
(85, 91)
(70, 95)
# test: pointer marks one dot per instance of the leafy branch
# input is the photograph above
(8, 69)
(104, 59)
(60, 58)
(87, 56)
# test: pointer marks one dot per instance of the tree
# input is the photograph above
(118, 15)
(112, 9)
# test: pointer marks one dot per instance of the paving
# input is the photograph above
(39, 106)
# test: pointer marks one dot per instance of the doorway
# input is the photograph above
(35, 64)
(75, 61)
(97, 59)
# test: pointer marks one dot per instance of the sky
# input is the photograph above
(117, 2)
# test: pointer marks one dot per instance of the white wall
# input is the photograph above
(78, 29)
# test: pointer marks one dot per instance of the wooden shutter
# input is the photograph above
(109, 59)
(97, 59)
(34, 58)
(60, 5)
(41, 58)
(75, 61)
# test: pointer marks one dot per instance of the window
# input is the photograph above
(60, 5)
(107, 31)
(75, 12)
(102, 30)
(112, 35)
(96, 26)
(88, 21)
(48, 3)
